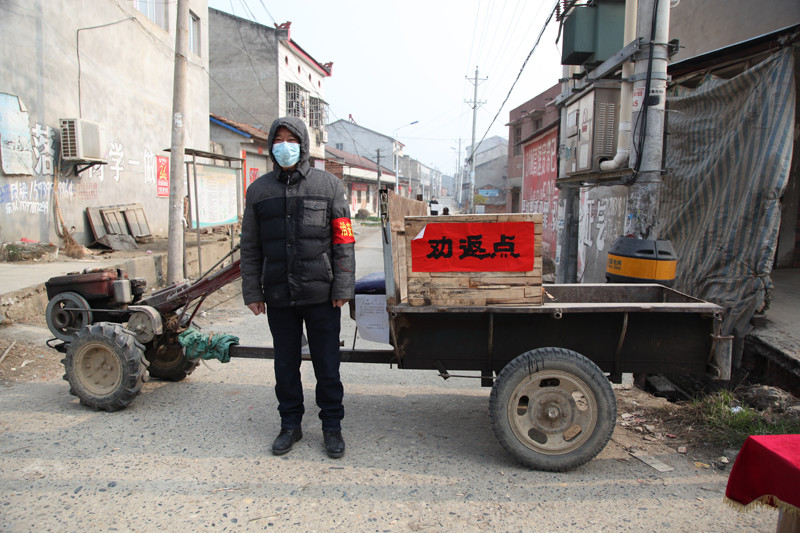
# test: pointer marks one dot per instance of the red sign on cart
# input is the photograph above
(474, 247)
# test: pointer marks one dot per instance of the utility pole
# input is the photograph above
(649, 96)
(475, 103)
(457, 176)
(378, 188)
(177, 150)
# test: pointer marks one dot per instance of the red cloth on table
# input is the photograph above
(767, 471)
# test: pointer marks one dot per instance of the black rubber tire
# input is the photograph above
(552, 409)
(168, 360)
(105, 366)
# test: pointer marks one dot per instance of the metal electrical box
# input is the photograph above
(593, 33)
(592, 128)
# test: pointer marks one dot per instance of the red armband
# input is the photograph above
(342, 231)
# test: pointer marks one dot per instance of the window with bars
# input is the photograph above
(296, 101)
(516, 148)
(155, 10)
(319, 113)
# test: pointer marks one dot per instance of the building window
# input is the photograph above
(537, 124)
(319, 113)
(155, 10)
(296, 101)
(340, 146)
(517, 149)
(194, 33)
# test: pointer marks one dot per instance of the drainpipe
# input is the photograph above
(625, 96)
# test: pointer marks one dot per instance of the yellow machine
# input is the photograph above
(641, 261)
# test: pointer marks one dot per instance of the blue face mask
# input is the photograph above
(286, 154)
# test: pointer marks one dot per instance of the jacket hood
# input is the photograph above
(299, 129)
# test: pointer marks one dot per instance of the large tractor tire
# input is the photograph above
(105, 366)
(552, 409)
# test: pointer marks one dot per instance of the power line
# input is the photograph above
(267, 10)
(474, 31)
(524, 64)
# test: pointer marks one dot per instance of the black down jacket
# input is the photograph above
(297, 243)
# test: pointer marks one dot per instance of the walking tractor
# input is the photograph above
(458, 293)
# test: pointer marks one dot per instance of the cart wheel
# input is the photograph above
(66, 314)
(552, 409)
(168, 360)
(105, 366)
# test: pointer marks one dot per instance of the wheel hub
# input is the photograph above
(100, 370)
(553, 412)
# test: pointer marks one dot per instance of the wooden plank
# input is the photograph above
(494, 217)
(137, 223)
(532, 300)
(414, 225)
(470, 300)
(118, 242)
(418, 285)
(402, 266)
(114, 220)
(400, 207)
(96, 222)
(419, 301)
(508, 282)
(463, 278)
(455, 292)
(535, 273)
(534, 292)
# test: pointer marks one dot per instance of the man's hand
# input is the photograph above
(339, 303)
(257, 307)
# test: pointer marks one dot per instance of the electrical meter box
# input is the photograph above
(592, 129)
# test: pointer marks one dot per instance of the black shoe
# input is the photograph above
(334, 444)
(285, 440)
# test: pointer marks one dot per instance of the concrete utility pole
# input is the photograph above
(396, 157)
(378, 189)
(649, 100)
(177, 150)
(475, 103)
(458, 175)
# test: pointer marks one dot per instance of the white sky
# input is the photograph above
(397, 62)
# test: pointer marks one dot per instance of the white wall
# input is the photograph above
(124, 83)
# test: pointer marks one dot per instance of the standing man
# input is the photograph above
(298, 265)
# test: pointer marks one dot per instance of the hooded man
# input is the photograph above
(298, 265)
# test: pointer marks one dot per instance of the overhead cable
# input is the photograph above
(524, 64)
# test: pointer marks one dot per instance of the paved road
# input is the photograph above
(421, 456)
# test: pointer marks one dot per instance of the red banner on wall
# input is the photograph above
(474, 247)
(162, 176)
(539, 192)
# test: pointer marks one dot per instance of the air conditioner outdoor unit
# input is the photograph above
(82, 140)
